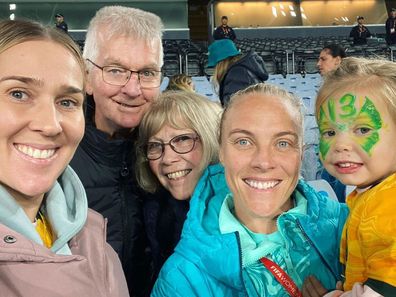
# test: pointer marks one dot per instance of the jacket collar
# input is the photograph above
(65, 206)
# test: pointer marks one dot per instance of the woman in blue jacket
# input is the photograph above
(254, 228)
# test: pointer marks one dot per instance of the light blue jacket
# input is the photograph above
(208, 263)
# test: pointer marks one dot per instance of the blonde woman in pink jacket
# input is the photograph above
(50, 243)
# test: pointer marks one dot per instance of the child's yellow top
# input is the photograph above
(368, 244)
(44, 229)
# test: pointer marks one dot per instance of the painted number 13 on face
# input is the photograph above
(343, 115)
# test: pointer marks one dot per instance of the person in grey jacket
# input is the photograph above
(50, 243)
(234, 71)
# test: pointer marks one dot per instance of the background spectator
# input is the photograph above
(330, 58)
(224, 31)
(390, 27)
(360, 32)
(60, 22)
(234, 71)
(180, 82)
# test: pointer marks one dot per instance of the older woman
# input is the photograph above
(270, 231)
(51, 244)
(177, 141)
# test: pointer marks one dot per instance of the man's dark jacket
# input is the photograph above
(247, 71)
(222, 32)
(106, 168)
(360, 35)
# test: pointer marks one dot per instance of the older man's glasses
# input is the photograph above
(118, 76)
(181, 144)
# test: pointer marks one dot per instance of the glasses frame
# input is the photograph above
(130, 75)
(193, 136)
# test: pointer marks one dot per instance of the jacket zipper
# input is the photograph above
(316, 249)
(238, 239)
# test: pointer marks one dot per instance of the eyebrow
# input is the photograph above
(23, 79)
(280, 134)
(118, 63)
(71, 90)
(37, 82)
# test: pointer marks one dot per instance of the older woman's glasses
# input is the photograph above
(181, 144)
(118, 76)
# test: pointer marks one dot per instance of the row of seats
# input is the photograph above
(281, 56)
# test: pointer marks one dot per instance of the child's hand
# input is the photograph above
(313, 288)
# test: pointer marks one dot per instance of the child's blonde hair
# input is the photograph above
(374, 75)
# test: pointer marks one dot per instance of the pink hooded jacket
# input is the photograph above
(93, 269)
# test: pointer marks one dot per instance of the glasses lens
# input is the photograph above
(183, 143)
(115, 75)
(154, 150)
(150, 78)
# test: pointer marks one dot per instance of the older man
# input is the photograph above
(123, 51)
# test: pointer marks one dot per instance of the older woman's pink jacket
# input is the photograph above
(93, 269)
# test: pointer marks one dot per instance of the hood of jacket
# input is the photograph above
(254, 63)
(65, 206)
(201, 230)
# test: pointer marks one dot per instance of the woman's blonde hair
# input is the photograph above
(222, 67)
(269, 90)
(180, 82)
(18, 31)
(374, 75)
(180, 110)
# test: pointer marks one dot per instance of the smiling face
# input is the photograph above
(327, 62)
(178, 173)
(122, 107)
(261, 152)
(357, 133)
(42, 121)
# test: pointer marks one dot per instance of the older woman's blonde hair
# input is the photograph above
(372, 75)
(180, 110)
(292, 101)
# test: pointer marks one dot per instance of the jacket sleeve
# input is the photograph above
(387, 27)
(172, 283)
(353, 33)
(368, 34)
(232, 34)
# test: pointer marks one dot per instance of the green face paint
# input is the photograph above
(324, 145)
(374, 120)
(348, 117)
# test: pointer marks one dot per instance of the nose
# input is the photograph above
(342, 143)
(132, 87)
(169, 156)
(46, 119)
(263, 159)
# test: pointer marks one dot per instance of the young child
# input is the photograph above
(356, 114)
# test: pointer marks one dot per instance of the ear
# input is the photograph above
(338, 61)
